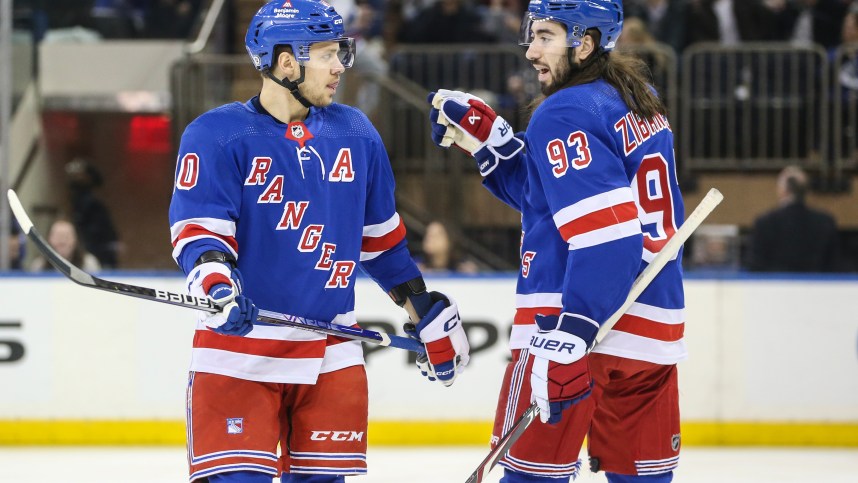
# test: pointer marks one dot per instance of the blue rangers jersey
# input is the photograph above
(301, 207)
(599, 197)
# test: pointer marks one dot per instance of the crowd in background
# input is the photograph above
(677, 23)
(380, 25)
(107, 19)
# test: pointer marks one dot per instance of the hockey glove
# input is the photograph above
(465, 120)
(447, 346)
(560, 376)
(216, 281)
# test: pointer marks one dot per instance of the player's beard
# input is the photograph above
(565, 70)
(317, 95)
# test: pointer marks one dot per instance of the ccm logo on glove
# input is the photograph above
(452, 323)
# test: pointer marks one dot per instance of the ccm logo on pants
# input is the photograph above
(336, 436)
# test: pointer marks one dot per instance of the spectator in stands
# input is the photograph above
(664, 19)
(445, 22)
(808, 21)
(794, 237)
(518, 94)
(90, 215)
(440, 253)
(118, 19)
(846, 82)
(170, 19)
(16, 246)
(502, 20)
(63, 238)
(636, 36)
(729, 21)
(362, 22)
(849, 35)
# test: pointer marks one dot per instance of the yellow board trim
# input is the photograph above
(421, 433)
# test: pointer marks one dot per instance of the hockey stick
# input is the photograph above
(81, 277)
(670, 249)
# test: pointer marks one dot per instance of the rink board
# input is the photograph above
(773, 361)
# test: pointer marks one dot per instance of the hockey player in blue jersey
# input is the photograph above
(594, 178)
(279, 200)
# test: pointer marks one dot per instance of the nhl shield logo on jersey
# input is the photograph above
(299, 133)
(234, 425)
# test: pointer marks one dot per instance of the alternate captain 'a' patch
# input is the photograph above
(298, 132)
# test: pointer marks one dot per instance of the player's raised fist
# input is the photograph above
(466, 121)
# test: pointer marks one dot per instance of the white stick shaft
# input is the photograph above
(666, 254)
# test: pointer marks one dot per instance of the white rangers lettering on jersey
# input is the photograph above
(340, 274)
(258, 171)
(325, 262)
(354, 215)
(293, 213)
(273, 192)
(310, 238)
(343, 169)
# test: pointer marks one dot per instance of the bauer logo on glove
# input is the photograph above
(560, 371)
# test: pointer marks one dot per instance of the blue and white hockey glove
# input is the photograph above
(560, 376)
(216, 281)
(465, 120)
(446, 343)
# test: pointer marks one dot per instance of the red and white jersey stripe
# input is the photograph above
(655, 467)
(599, 219)
(274, 354)
(542, 469)
(647, 333)
(318, 463)
(381, 237)
(527, 306)
(186, 231)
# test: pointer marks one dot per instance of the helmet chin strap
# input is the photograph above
(292, 86)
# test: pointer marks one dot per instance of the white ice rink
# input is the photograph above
(423, 465)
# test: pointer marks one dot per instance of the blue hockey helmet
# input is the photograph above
(299, 24)
(577, 16)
